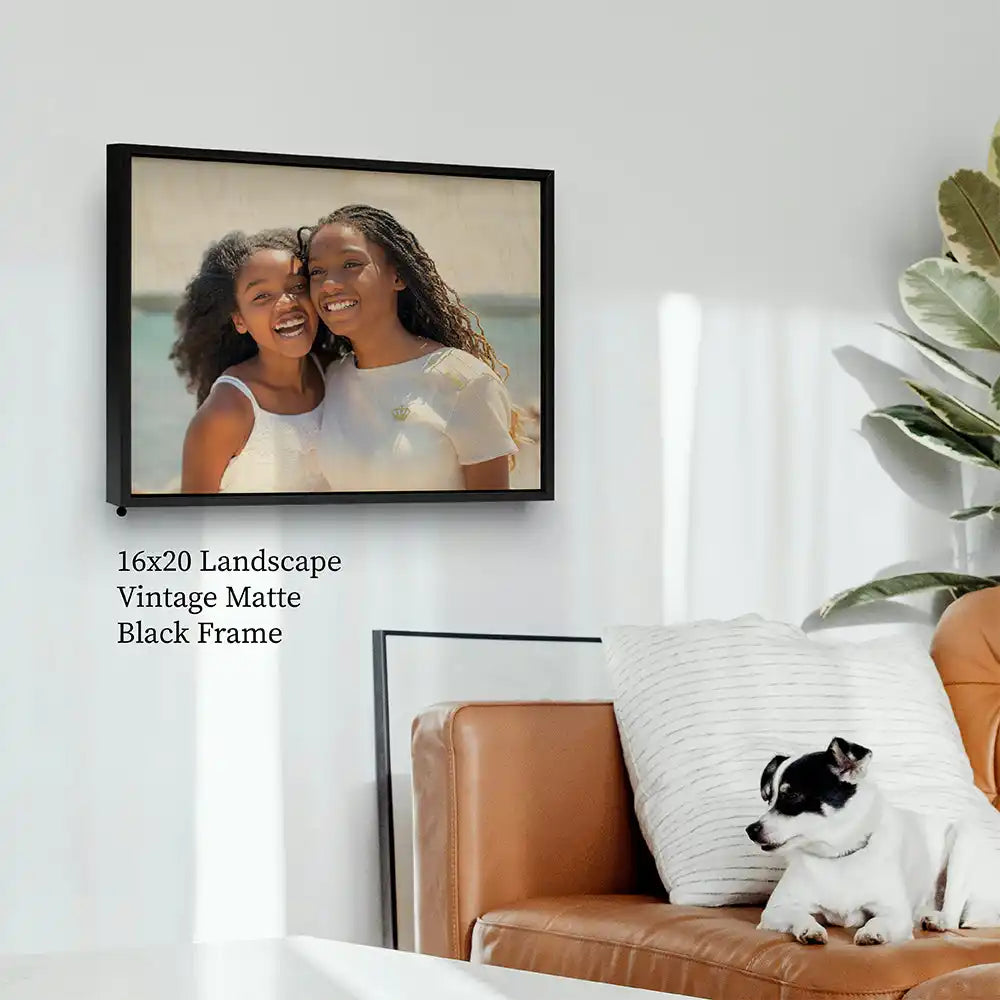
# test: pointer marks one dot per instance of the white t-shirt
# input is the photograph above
(413, 425)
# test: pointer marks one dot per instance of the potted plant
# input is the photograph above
(954, 302)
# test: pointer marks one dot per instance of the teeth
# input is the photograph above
(289, 324)
(339, 306)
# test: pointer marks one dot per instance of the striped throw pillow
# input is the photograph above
(703, 707)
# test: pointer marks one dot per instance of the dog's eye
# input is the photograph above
(793, 797)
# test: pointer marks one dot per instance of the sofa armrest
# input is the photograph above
(514, 800)
(966, 649)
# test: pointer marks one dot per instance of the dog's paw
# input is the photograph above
(811, 933)
(934, 920)
(869, 935)
(884, 930)
(803, 927)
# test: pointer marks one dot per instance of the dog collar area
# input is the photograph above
(854, 850)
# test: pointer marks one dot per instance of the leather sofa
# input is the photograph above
(527, 855)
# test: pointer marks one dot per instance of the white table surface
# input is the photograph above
(297, 968)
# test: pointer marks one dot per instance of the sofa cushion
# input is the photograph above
(981, 982)
(703, 706)
(716, 953)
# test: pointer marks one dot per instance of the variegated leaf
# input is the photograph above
(927, 429)
(951, 304)
(944, 361)
(955, 413)
(899, 586)
(993, 157)
(969, 212)
(970, 512)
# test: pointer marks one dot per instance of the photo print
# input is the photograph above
(289, 329)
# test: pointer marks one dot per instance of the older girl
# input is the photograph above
(419, 403)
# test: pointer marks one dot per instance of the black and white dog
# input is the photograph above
(855, 860)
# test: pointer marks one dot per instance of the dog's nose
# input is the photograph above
(753, 831)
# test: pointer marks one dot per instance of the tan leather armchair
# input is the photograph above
(528, 855)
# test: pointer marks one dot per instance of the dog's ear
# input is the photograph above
(767, 778)
(850, 760)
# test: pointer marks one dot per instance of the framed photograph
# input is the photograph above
(415, 670)
(302, 329)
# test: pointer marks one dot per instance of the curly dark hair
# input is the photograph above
(207, 341)
(427, 307)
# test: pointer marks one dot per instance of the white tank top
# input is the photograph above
(280, 454)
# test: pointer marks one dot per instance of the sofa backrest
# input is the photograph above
(513, 800)
(966, 649)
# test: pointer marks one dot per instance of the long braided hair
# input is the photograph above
(207, 341)
(427, 306)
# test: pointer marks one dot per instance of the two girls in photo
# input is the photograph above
(336, 358)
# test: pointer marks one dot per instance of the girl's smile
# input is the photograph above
(338, 305)
(352, 283)
(273, 304)
(294, 324)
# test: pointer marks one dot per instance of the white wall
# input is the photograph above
(776, 162)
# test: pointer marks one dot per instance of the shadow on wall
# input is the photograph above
(931, 480)
(776, 485)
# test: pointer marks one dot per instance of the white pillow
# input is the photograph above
(703, 707)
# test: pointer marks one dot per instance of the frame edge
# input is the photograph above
(118, 486)
(548, 335)
(118, 187)
(383, 787)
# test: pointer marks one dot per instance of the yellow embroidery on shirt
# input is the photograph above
(401, 412)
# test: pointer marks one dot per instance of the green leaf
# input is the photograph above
(899, 586)
(995, 394)
(942, 360)
(954, 412)
(970, 512)
(969, 212)
(951, 304)
(993, 158)
(926, 428)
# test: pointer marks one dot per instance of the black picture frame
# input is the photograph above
(383, 755)
(119, 485)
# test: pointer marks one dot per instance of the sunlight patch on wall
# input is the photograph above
(680, 348)
(239, 810)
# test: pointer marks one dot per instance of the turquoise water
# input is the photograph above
(161, 406)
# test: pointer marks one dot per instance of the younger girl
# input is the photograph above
(247, 327)
(419, 404)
